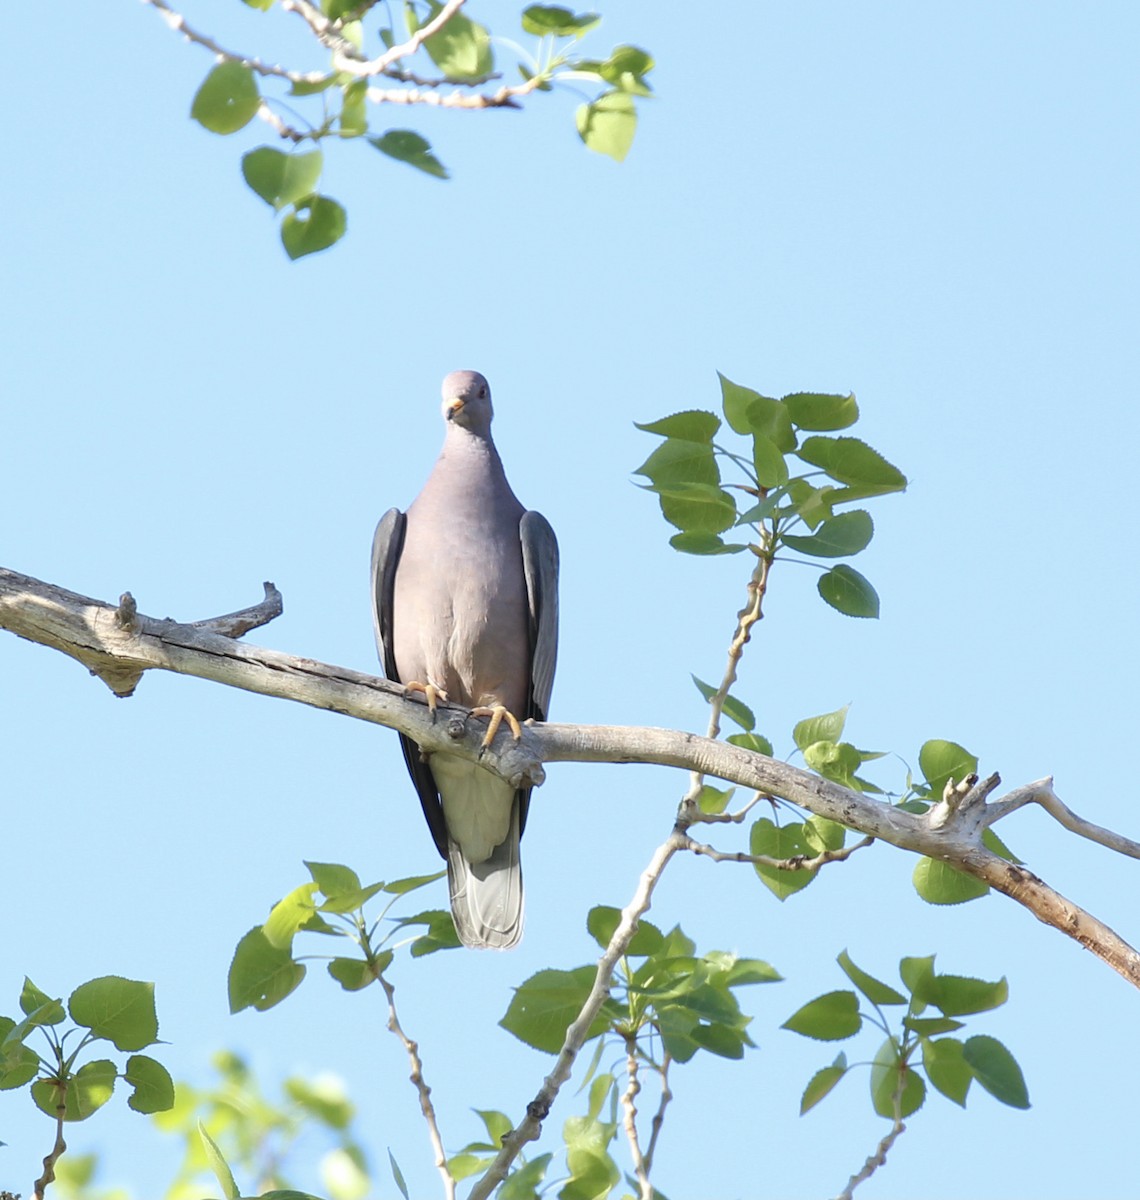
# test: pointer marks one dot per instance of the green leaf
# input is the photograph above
(940, 883)
(333, 879)
(439, 935)
(886, 1071)
(17, 1035)
(721, 1040)
(822, 1082)
(625, 69)
(680, 460)
(820, 834)
(776, 841)
(847, 533)
(120, 1010)
(771, 469)
(940, 761)
(694, 542)
(543, 1007)
(769, 419)
(398, 1176)
(751, 970)
(735, 710)
(261, 975)
(751, 741)
(991, 841)
(820, 413)
(305, 87)
(227, 100)
(497, 1125)
(714, 800)
(353, 110)
(315, 224)
(946, 1068)
(959, 995)
(18, 1063)
(153, 1087)
(524, 1182)
(828, 727)
(929, 1027)
(874, 989)
(353, 974)
(543, 19)
(693, 425)
(848, 592)
(918, 976)
(322, 1099)
(736, 400)
(34, 1002)
(996, 1070)
(850, 461)
(407, 146)
(85, 1091)
(461, 49)
(281, 179)
(837, 762)
(828, 1018)
(218, 1165)
(696, 507)
(351, 901)
(811, 503)
(608, 124)
(289, 915)
(400, 887)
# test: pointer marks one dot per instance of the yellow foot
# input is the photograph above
(430, 691)
(498, 715)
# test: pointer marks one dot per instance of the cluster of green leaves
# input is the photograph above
(461, 54)
(265, 969)
(920, 1046)
(667, 1003)
(791, 492)
(108, 1009)
(820, 740)
(258, 1134)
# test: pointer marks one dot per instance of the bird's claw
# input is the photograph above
(431, 693)
(498, 715)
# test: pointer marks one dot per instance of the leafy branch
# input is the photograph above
(921, 1045)
(110, 1008)
(458, 59)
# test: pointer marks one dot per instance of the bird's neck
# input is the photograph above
(464, 445)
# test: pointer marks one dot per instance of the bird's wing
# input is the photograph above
(540, 568)
(386, 548)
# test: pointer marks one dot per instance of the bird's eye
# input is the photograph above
(482, 393)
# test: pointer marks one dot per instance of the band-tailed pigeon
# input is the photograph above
(465, 598)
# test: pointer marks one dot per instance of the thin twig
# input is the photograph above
(659, 1115)
(799, 862)
(1042, 793)
(408, 48)
(724, 818)
(417, 1078)
(880, 1156)
(539, 1108)
(629, 1109)
(745, 619)
(325, 32)
(40, 1186)
(178, 23)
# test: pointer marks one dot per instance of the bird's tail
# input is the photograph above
(487, 897)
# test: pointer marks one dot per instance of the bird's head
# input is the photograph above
(467, 401)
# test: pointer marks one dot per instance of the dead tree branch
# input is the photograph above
(118, 644)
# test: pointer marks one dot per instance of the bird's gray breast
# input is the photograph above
(460, 617)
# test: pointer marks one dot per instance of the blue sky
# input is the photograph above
(935, 209)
